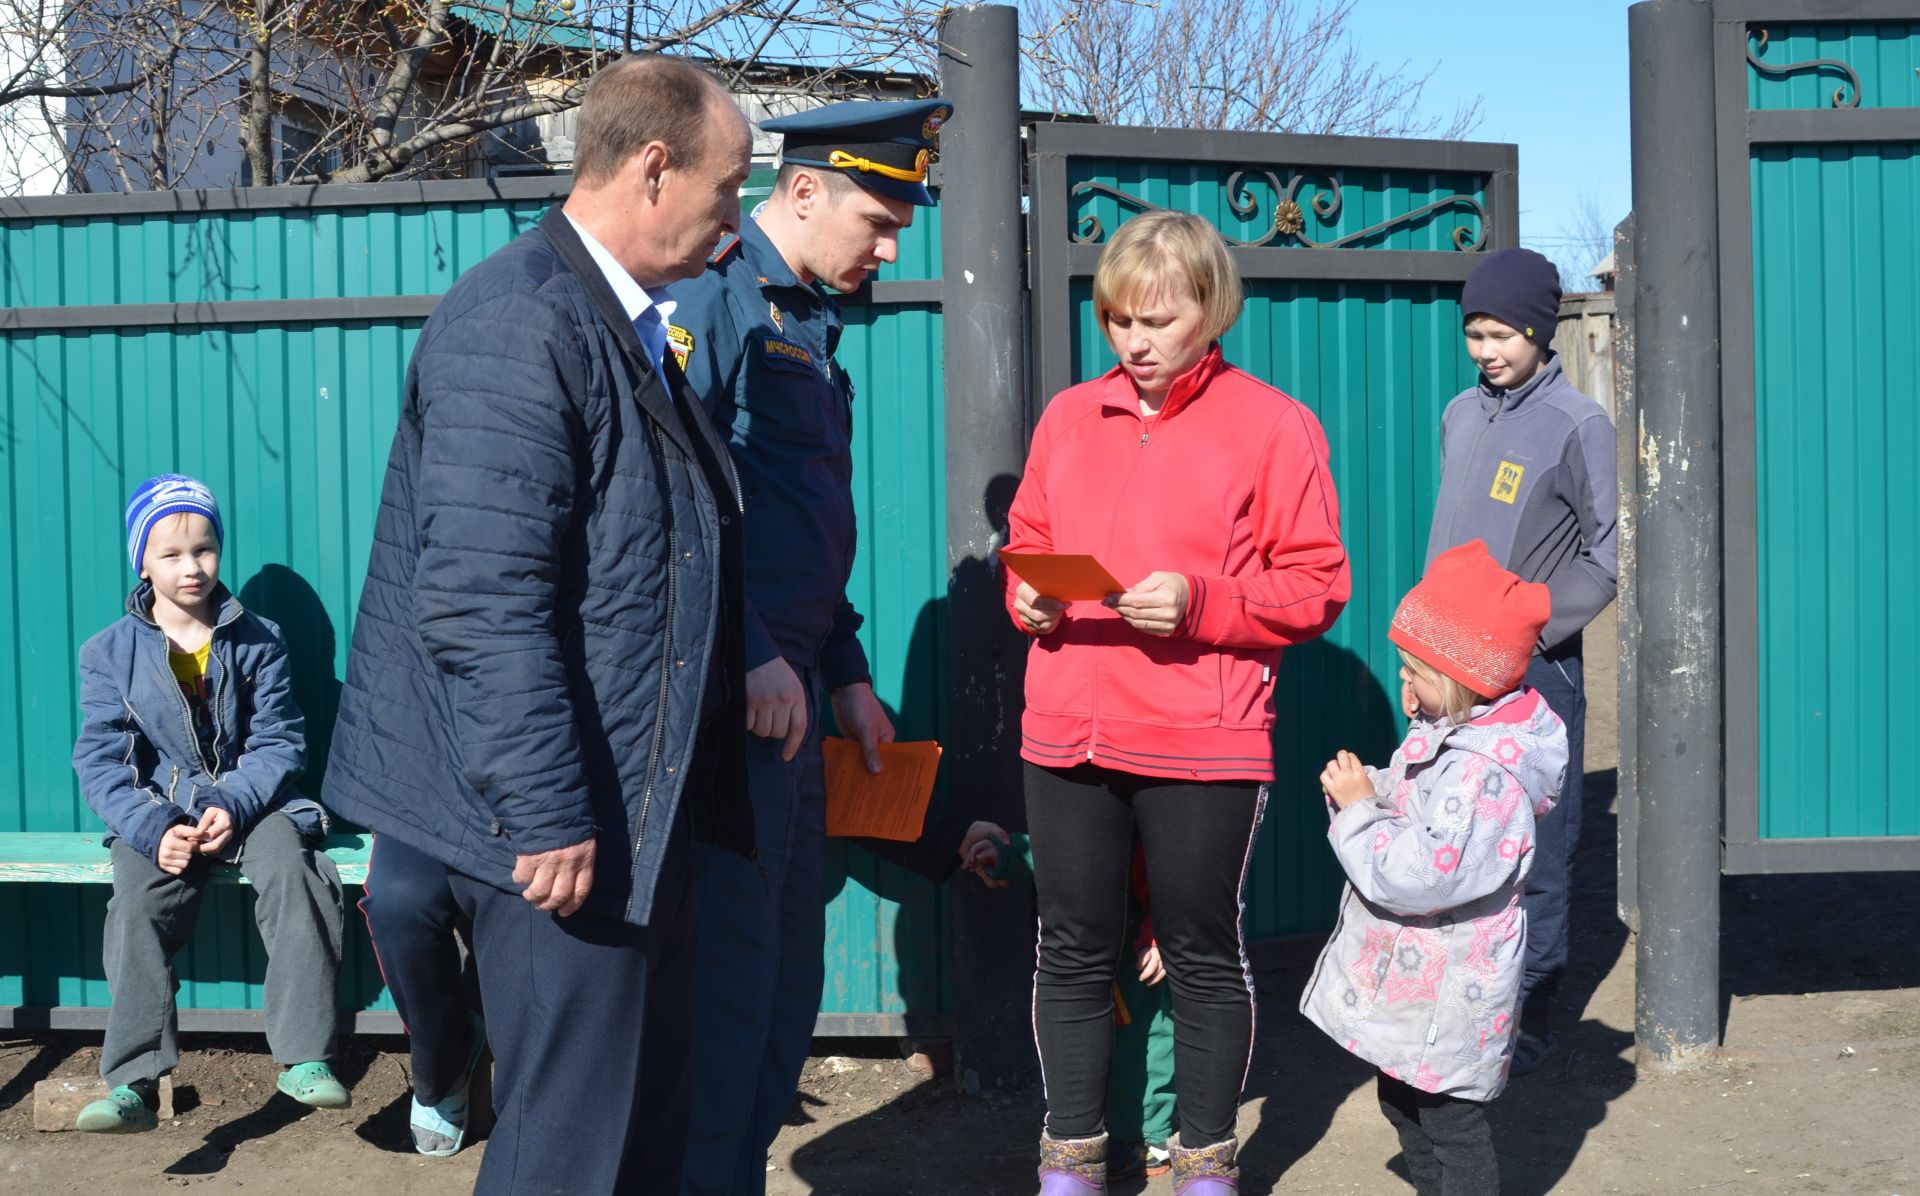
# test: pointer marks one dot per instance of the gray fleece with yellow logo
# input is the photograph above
(1531, 472)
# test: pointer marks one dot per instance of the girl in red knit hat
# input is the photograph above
(1422, 976)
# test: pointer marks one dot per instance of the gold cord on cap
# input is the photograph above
(842, 160)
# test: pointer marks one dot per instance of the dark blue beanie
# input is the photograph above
(1516, 287)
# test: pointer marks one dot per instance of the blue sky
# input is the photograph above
(1552, 78)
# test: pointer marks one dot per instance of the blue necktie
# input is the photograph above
(653, 337)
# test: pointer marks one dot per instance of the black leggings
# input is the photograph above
(1196, 838)
(1446, 1141)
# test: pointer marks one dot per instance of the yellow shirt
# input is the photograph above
(190, 668)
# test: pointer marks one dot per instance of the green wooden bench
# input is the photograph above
(77, 857)
(39, 857)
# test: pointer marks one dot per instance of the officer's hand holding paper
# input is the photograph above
(889, 804)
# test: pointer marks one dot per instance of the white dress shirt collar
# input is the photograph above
(635, 299)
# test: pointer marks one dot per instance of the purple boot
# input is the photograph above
(1073, 1166)
(1206, 1170)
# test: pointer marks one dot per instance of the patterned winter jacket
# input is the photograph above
(1422, 974)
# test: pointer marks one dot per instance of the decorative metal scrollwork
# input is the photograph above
(1840, 99)
(1289, 217)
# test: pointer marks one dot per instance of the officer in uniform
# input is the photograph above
(756, 335)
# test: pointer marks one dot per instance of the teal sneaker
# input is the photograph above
(119, 1112)
(440, 1130)
(313, 1084)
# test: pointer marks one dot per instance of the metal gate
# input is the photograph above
(1352, 251)
(1818, 127)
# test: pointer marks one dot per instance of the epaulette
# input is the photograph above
(727, 245)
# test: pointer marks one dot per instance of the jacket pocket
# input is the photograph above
(1060, 673)
(1246, 688)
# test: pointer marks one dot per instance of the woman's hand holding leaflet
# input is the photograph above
(1155, 605)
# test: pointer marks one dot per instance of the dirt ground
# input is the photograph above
(1821, 1055)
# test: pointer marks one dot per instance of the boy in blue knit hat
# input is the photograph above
(1527, 465)
(189, 750)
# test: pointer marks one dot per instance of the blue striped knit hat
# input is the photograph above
(168, 494)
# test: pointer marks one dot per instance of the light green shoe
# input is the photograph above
(119, 1112)
(313, 1084)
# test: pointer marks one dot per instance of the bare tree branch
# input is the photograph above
(50, 91)
(256, 121)
(391, 159)
(1584, 240)
(361, 90)
(1272, 65)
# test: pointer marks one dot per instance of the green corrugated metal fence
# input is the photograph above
(287, 412)
(146, 353)
(1836, 336)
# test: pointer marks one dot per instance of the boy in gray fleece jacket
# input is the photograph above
(1527, 465)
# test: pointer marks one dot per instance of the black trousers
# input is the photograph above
(411, 917)
(1446, 1141)
(1196, 837)
(588, 1018)
(1560, 677)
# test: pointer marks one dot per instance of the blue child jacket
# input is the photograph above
(141, 767)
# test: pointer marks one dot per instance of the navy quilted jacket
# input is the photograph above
(554, 588)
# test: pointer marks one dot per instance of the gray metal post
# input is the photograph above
(1677, 331)
(982, 257)
(1626, 422)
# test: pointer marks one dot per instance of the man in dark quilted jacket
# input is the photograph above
(545, 698)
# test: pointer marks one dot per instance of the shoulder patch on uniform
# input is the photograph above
(727, 245)
(681, 342)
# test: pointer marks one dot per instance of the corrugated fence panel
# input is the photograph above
(1377, 363)
(888, 933)
(262, 424)
(1836, 246)
(290, 425)
(1884, 56)
(322, 253)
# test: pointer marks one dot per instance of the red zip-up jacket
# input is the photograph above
(1228, 485)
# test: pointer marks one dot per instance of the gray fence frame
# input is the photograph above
(319, 196)
(1739, 129)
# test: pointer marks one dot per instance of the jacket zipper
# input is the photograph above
(218, 703)
(186, 711)
(1093, 701)
(1473, 457)
(666, 674)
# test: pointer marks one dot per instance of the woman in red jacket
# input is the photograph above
(1152, 712)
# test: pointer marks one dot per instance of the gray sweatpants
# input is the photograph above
(298, 906)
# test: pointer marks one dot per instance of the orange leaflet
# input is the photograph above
(889, 805)
(1062, 575)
